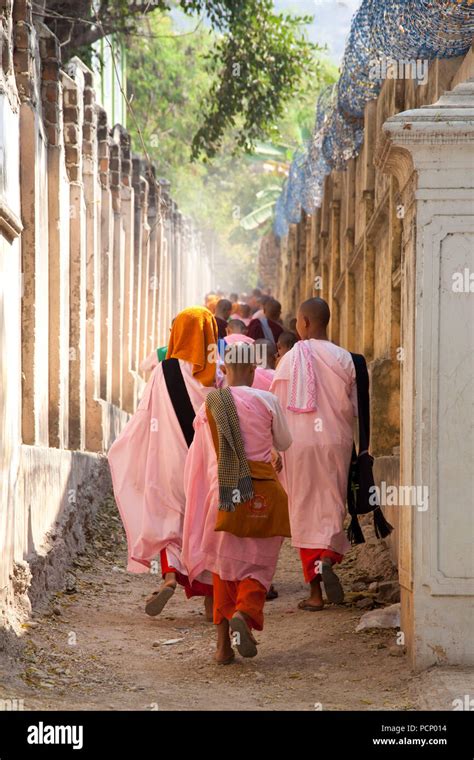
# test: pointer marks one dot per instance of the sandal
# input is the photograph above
(228, 661)
(245, 642)
(158, 600)
(332, 584)
(305, 605)
(272, 593)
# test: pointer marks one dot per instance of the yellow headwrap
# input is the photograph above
(194, 331)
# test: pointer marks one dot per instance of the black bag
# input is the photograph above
(179, 396)
(361, 493)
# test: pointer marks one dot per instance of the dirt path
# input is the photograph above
(94, 648)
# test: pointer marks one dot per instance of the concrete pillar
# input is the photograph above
(161, 333)
(430, 151)
(93, 440)
(153, 281)
(179, 262)
(73, 99)
(145, 274)
(58, 238)
(137, 247)
(105, 238)
(172, 260)
(164, 308)
(34, 242)
(127, 212)
(115, 278)
(334, 264)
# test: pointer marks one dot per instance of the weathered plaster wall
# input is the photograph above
(95, 260)
(392, 230)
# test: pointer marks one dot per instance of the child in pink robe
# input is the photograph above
(147, 462)
(242, 568)
(315, 384)
(263, 377)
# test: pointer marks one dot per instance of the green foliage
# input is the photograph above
(257, 62)
(262, 64)
(167, 75)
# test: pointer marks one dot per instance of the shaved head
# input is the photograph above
(317, 311)
(236, 326)
(313, 318)
(239, 355)
(239, 366)
(272, 309)
(223, 308)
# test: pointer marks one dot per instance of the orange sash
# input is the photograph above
(264, 516)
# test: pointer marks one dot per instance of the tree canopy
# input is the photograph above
(257, 62)
(168, 78)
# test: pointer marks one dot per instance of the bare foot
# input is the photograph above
(169, 580)
(208, 609)
(314, 603)
(224, 652)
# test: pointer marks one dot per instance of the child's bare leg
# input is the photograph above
(224, 652)
(169, 580)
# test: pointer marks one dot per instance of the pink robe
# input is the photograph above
(150, 362)
(316, 466)
(263, 378)
(147, 464)
(263, 425)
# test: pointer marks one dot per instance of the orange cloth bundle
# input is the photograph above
(193, 334)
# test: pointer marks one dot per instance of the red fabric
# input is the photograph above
(196, 588)
(255, 329)
(246, 596)
(309, 557)
(221, 327)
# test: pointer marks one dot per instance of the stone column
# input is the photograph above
(173, 259)
(137, 246)
(127, 212)
(430, 151)
(73, 100)
(92, 269)
(154, 225)
(115, 278)
(58, 236)
(106, 236)
(34, 241)
(163, 302)
(145, 274)
(179, 270)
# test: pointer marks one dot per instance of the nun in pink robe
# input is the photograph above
(147, 459)
(315, 384)
(263, 426)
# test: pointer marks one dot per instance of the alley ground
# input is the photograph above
(93, 647)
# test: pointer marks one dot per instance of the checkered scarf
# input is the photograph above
(235, 482)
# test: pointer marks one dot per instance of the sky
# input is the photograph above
(332, 21)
